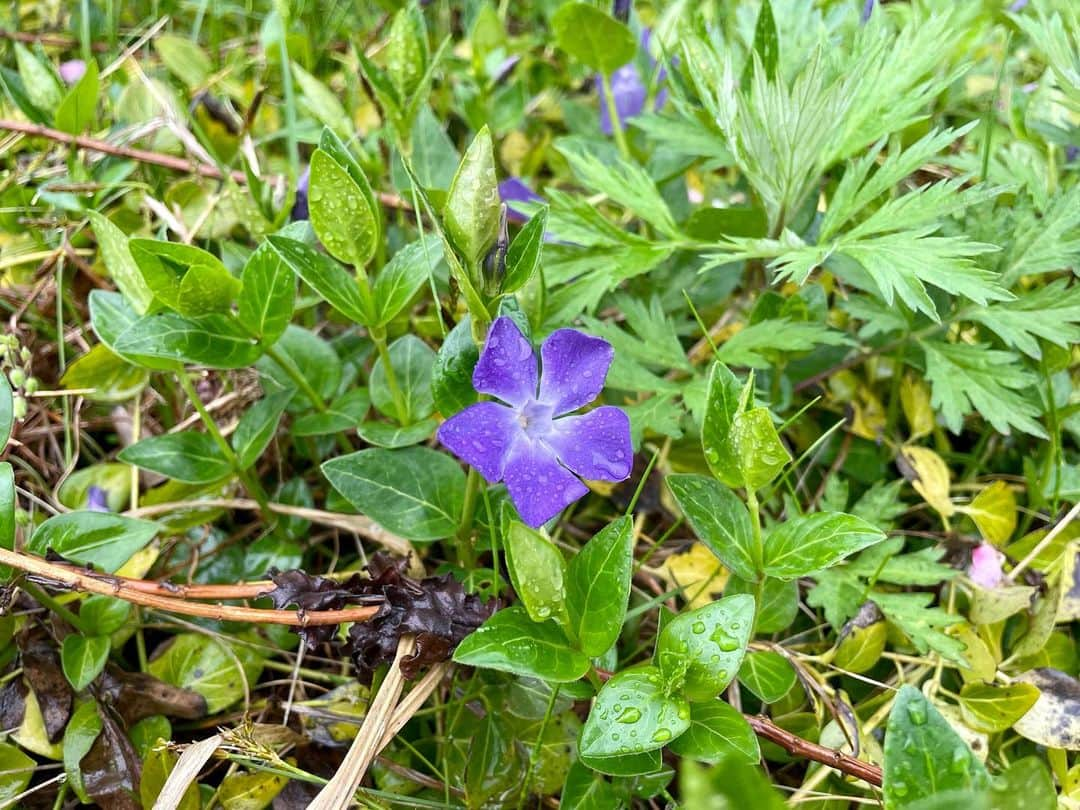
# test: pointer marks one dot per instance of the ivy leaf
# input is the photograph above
(966, 378)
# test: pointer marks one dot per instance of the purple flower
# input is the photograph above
(867, 10)
(72, 70)
(1019, 5)
(528, 439)
(300, 203)
(512, 190)
(629, 93)
(1071, 153)
(985, 568)
(97, 499)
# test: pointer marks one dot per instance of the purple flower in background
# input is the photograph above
(867, 10)
(300, 203)
(629, 91)
(97, 499)
(985, 568)
(512, 190)
(1019, 5)
(1071, 153)
(72, 70)
(528, 439)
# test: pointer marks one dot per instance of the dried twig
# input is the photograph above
(797, 746)
(121, 588)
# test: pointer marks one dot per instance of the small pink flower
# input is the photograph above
(985, 568)
(72, 70)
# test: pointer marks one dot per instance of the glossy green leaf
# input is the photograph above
(732, 783)
(585, 789)
(214, 341)
(165, 265)
(344, 413)
(308, 355)
(83, 658)
(104, 375)
(101, 539)
(250, 791)
(340, 212)
(593, 37)
(722, 405)
(417, 493)
(257, 427)
(406, 51)
(403, 277)
(412, 361)
(383, 434)
(267, 292)
(203, 664)
(82, 730)
(717, 731)
(7, 514)
(719, 519)
(598, 587)
(760, 453)
(7, 411)
(923, 755)
(16, 768)
(451, 374)
(632, 714)
(537, 570)
(39, 81)
(767, 674)
(802, 545)
(110, 316)
(703, 649)
(512, 642)
(116, 254)
(190, 457)
(1025, 785)
(523, 255)
(206, 289)
(471, 215)
(767, 41)
(105, 614)
(990, 708)
(779, 601)
(326, 277)
(77, 112)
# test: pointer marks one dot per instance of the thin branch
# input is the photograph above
(797, 746)
(109, 585)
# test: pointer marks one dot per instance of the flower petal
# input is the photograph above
(574, 368)
(539, 486)
(985, 568)
(481, 435)
(507, 365)
(596, 445)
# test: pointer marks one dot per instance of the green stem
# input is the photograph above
(613, 116)
(757, 552)
(290, 100)
(250, 482)
(378, 336)
(47, 601)
(534, 755)
(297, 377)
(466, 558)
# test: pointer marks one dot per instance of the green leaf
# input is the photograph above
(78, 111)
(767, 41)
(471, 215)
(703, 649)
(779, 601)
(214, 341)
(412, 361)
(326, 277)
(383, 434)
(593, 37)
(1050, 313)
(760, 453)
(416, 492)
(267, 292)
(7, 411)
(523, 255)
(323, 104)
(341, 213)
(632, 714)
(921, 624)
(721, 408)
(966, 378)
(104, 375)
(731, 783)
(1025, 785)
(307, 354)
(257, 427)
(767, 674)
(82, 730)
(39, 81)
(83, 658)
(209, 667)
(190, 457)
(344, 413)
(758, 344)
(184, 59)
(451, 375)
(406, 51)
(248, 791)
(585, 789)
(101, 539)
(110, 316)
(717, 731)
(924, 757)
(116, 255)
(402, 277)
(166, 265)
(16, 768)
(205, 289)
(990, 709)
(719, 519)
(598, 587)
(7, 515)
(511, 642)
(105, 614)
(537, 570)
(802, 545)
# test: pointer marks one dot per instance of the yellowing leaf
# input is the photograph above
(1069, 608)
(982, 663)
(32, 736)
(929, 476)
(995, 708)
(994, 512)
(1054, 720)
(697, 571)
(915, 400)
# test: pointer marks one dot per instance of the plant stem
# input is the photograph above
(47, 601)
(378, 336)
(758, 554)
(613, 116)
(250, 482)
(466, 558)
(294, 374)
(534, 754)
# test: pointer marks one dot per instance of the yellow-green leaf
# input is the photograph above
(929, 476)
(995, 708)
(994, 512)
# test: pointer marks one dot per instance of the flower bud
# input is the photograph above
(495, 262)
(18, 408)
(17, 377)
